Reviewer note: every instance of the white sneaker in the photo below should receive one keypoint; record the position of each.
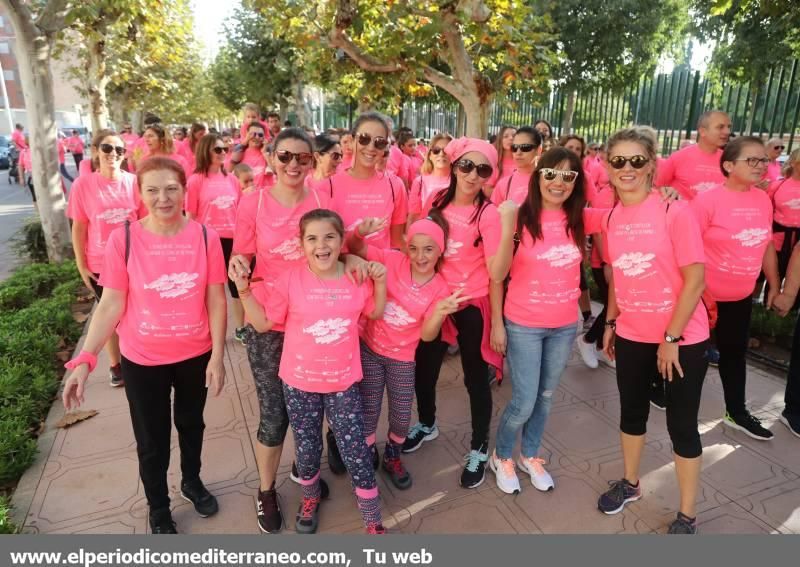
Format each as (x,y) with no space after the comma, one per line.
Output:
(603,357)
(505,474)
(540,478)
(587,351)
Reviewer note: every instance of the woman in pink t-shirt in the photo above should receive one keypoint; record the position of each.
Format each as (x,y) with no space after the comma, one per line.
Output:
(212,196)
(158,142)
(100,202)
(328,156)
(514,186)
(656,321)
(505,156)
(163,278)
(189,146)
(320,365)
(544,128)
(418,302)
(473,256)
(434,176)
(736,221)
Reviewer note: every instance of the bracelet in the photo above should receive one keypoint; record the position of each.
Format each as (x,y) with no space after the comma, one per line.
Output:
(85,357)
(612,323)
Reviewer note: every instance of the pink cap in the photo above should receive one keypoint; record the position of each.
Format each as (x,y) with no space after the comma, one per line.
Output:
(460,146)
(428,228)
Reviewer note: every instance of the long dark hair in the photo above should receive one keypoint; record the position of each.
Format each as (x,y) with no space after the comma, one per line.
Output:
(530,213)
(446,196)
(202,154)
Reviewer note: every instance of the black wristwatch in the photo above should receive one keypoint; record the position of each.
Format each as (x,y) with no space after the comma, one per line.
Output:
(670,339)
(611,323)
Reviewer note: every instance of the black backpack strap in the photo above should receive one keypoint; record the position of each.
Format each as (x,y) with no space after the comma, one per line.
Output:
(205,236)
(391,186)
(508,185)
(608,218)
(127,240)
(330,183)
(479,239)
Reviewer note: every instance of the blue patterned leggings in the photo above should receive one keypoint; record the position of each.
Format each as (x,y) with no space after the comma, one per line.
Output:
(346,421)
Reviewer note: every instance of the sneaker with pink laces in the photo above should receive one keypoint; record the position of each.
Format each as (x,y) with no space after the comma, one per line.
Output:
(540,478)
(505,474)
(376,529)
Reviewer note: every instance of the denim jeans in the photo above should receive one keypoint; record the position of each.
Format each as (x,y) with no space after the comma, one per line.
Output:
(537,358)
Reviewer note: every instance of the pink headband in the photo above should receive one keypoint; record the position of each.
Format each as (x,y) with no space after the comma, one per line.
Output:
(460,146)
(428,228)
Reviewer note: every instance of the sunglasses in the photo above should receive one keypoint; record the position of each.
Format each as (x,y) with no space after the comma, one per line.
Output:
(108,148)
(779,148)
(436,151)
(754,161)
(335,156)
(637,162)
(524,148)
(285,156)
(220,150)
(466,166)
(567,176)
(257,134)
(379,142)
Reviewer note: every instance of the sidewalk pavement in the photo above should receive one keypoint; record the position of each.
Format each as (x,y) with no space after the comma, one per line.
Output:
(86,480)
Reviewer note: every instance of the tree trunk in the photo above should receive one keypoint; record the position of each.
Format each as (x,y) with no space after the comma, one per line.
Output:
(98,81)
(299,102)
(477,116)
(34,48)
(569,113)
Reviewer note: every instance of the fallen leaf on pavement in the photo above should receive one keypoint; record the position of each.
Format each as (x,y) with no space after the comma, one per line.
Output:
(74,417)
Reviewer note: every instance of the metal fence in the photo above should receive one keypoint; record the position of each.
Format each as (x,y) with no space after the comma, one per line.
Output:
(669,102)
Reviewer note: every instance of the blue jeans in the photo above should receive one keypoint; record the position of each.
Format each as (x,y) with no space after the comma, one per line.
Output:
(537,358)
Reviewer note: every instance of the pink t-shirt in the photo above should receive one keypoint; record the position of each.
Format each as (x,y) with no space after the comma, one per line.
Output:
(246,125)
(513,186)
(408,304)
(382,196)
(346,163)
(423,188)
(85,167)
(785,195)
(212,200)
(690,171)
(165,319)
(545,274)
(175,156)
(602,197)
(774,171)
(256,160)
(509,166)
(647,245)
(75,145)
(104,205)
(130,140)
(397,162)
(19,139)
(187,154)
(319,185)
(736,228)
(25,159)
(320,351)
(60,148)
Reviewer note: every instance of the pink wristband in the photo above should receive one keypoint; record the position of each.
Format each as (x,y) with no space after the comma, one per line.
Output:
(85,357)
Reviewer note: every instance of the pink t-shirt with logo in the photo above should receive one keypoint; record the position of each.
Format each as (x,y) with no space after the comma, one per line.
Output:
(774,172)
(647,245)
(381,196)
(517,190)
(104,205)
(165,319)
(212,200)
(75,145)
(785,195)
(271,231)
(423,188)
(321,352)
(690,171)
(408,304)
(736,228)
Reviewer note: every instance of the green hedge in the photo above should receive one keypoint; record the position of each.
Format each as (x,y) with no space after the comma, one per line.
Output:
(35,323)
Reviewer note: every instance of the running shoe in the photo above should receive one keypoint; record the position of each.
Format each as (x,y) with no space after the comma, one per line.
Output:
(307,518)
(376,529)
(116,376)
(587,351)
(396,472)
(475,470)
(792,422)
(504,474)
(713,356)
(204,502)
(239,335)
(620,493)
(268,512)
(749,425)
(683,525)
(418,435)
(658,396)
(161,521)
(540,478)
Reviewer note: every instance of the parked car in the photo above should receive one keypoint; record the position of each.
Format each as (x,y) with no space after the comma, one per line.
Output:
(5,148)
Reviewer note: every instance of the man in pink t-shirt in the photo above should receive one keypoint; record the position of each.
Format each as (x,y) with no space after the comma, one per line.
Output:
(75,147)
(696,168)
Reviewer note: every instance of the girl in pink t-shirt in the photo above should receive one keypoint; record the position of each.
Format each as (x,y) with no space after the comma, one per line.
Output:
(99,203)
(189,146)
(328,156)
(655,318)
(418,302)
(320,362)
(505,156)
(736,221)
(434,176)
(163,279)
(514,185)
(785,194)
(472,258)
(212,196)
(347,142)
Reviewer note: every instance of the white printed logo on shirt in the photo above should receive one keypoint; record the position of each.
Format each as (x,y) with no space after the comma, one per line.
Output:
(327,331)
(289,249)
(452,247)
(396,316)
(173,285)
(560,256)
(634,263)
(703,187)
(793,204)
(751,237)
(114,216)
(224,201)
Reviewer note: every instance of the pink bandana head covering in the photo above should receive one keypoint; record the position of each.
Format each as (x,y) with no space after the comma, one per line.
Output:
(428,228)
(460,146)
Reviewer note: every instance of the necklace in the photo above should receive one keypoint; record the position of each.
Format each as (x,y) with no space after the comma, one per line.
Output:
(329,292)
(417,286)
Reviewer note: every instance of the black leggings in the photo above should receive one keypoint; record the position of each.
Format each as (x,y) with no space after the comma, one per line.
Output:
(429,358)
(595,334)
(732,333)
(792,396)
(227,249)
(635,363)
(148,389)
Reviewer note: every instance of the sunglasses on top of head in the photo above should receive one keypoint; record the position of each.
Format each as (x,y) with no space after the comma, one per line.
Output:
(220,150)
(567,176)
(285,156)
(637,162)
(108,148)
(524,148)
(378,141)
(466,166)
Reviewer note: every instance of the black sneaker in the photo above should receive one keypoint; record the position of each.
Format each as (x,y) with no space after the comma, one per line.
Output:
(418,435)
(792,422)
(161,521)
(307,518)
(268,511)
(621,492)
(335,462)
(683,525)
(376,458)
(749,425)
(475,470)
(240,334)
(713,357)
(204,502)
(116,376)
(658,396)
(294,476)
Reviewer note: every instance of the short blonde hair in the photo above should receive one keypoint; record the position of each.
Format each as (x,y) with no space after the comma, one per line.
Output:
(427,165)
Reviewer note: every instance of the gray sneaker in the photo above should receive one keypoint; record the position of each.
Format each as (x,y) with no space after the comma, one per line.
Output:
(683,525)
(116,377)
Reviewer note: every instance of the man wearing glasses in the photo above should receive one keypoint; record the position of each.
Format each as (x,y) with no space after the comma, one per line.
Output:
(775,148)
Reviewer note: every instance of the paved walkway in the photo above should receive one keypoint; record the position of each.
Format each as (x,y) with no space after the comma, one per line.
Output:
(86,477)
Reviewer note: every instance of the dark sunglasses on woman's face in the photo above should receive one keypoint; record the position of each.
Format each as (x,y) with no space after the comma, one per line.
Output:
(637,162)
(257,134)
(220,150)
(781,148)
(524,148)
(335,156)
(466,166)
(285,156)
(379,142)
(436,151)
(108,148)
